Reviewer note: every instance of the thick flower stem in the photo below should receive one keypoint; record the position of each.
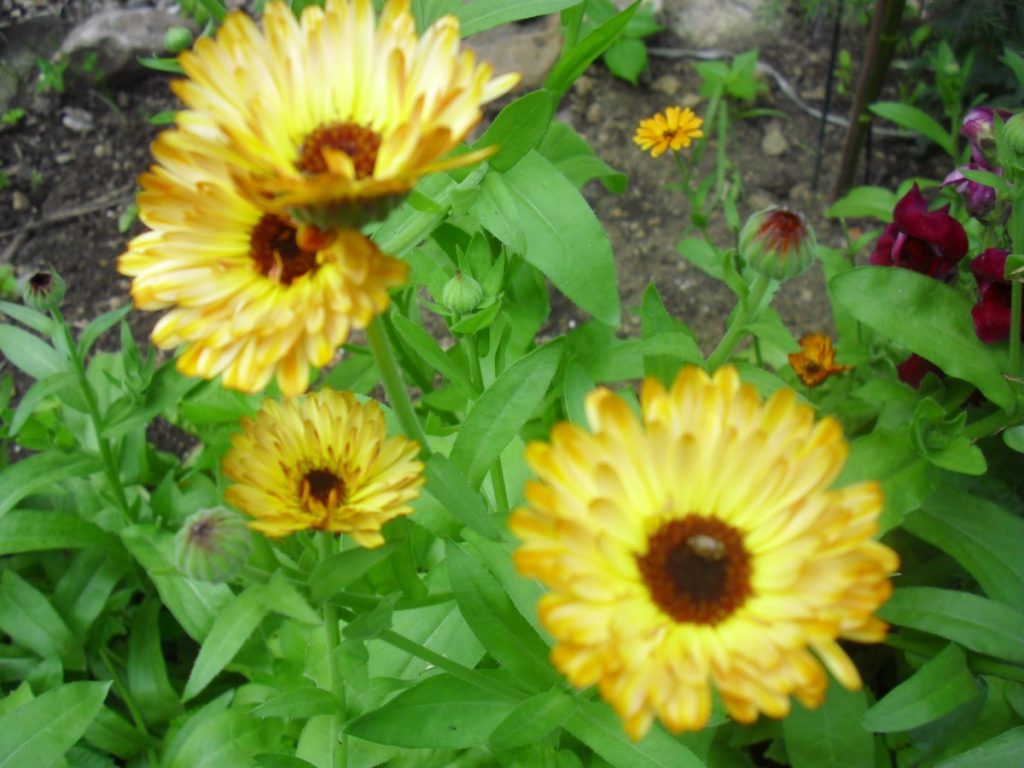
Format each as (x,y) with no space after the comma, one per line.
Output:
(109,466)
(339,753)
(394,386)
(738,327)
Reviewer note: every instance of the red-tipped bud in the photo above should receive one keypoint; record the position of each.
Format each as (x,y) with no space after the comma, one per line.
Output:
(778,243)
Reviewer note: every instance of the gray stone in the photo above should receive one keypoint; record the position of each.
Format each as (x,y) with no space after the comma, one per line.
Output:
(774,143)
(117,38)
(77,120)
(667,84)
(20,201)
(735,24)
(529,49)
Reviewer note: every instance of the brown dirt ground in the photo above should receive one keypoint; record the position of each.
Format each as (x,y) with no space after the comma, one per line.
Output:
(77,182)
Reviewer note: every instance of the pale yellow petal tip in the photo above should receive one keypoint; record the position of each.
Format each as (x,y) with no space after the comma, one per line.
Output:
(660,652)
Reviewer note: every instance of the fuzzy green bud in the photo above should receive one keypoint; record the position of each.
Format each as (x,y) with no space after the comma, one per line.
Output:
(43,290)
(1013,135)
(178,39)
(462,294)
(212,545)
(778,243)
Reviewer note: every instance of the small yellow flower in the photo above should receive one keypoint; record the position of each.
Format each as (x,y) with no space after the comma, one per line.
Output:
(699,547)
(322,462)
(673,130)
(250,297)
(816,360)
(333,117)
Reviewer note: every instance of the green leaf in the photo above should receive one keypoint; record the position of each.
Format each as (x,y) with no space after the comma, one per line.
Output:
(927,317)
(496,622)
(626,59)
(875,202)
(300,704)
(597,726)
(27,616)
(479,15)
(221,739)
(82,592)
(440,712)
(99,326)
(658,321)
(39,732)
(281,761)
(61,386)
(518,128)
(425,346)
(42,471)
(29,353)
(538,213)
(111,733)
(936,689)
(982,536)
(915,120)
(37,321)
(972,621)
(702,255)
(195,604)
(1003,751)
(334,574)
(229,632)
(146,673)
(830,735)
(571,155)
(24,530)
(451,488)
(574,61)
(503,409)
(532,720)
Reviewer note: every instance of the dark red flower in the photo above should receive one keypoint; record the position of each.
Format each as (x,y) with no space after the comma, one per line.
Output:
(992,312)
(929,242)
(912,370)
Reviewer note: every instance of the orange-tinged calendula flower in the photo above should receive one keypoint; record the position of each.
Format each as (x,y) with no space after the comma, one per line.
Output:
(700,547)
(816,360)
(675,129)
(250,298)
(322,462)
(333,117)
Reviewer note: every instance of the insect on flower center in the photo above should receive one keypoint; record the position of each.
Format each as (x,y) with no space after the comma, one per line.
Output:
(278,256)
(356,141)
(697,569)
(323,487)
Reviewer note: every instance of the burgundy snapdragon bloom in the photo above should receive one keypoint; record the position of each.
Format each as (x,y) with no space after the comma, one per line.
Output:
(992,312)
(912,370)
(929,242)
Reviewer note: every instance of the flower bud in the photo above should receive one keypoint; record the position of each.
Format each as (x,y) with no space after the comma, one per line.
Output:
(462,294)
(778,243)
(43,290)
(178,39)
(979,199)
(212,545)
(978,128)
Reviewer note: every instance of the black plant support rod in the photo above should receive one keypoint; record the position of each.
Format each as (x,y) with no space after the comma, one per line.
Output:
(829,84)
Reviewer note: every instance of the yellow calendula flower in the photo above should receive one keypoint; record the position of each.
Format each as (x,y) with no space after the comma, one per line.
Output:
(699,547)
(335,116)
(674,130)
(249,297)
(816,360)
(322,462)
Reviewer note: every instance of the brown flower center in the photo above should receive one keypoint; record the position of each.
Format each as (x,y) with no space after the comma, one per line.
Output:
(782,231)
(356,141)
(278,256)
(697,569)
(322,487)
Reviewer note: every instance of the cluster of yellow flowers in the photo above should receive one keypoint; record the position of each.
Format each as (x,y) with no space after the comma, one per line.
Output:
(692,548)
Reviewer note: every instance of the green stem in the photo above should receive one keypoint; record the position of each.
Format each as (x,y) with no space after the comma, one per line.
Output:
(368,602)
(469,347)
(339,755)
(500,491)
(989,425)
(1015,304)
(129,703)
(394,386)
(109,466)
(737,329)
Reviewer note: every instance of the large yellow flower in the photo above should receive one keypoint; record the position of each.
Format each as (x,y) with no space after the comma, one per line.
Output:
(331,116)
(249,297)
(324,462)
(699,547)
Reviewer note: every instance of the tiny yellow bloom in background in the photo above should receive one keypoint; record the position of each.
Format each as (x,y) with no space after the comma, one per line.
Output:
(673,130)
(699,547)
(332,118)
(322,462)
(249,297)
(816,360)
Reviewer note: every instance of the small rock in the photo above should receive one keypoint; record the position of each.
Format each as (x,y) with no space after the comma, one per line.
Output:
(102,149)
(63,158)
(584,85)
(667,84)
(816,93)
(20,201)
(77,120)
(773,143)
(594,113)
(690,100)
(759,200)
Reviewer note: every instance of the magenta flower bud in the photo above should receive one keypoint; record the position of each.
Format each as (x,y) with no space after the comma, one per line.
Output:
(979,199)
(778,243)
(978,128)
